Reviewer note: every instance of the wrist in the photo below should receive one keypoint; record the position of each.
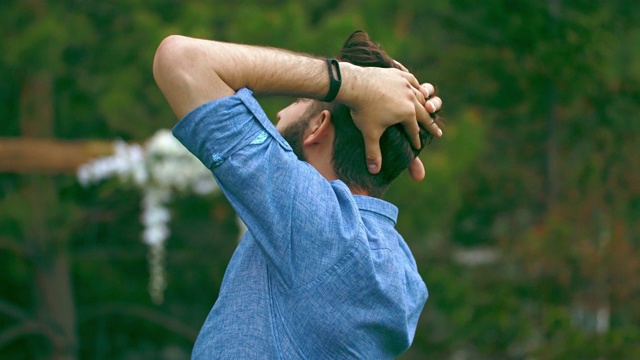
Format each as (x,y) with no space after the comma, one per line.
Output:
(350,74)
(335,79)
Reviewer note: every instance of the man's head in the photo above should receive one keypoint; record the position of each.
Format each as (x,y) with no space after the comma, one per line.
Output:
(313,127)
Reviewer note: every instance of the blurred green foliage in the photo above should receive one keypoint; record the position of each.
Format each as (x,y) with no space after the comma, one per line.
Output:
(539,170)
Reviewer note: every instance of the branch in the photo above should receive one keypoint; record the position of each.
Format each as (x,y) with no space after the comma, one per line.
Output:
(13,310)
(12,245)
(102,253)
(142,312)
(29,327)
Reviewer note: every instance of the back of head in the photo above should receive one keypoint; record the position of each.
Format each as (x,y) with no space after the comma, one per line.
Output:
(349,152)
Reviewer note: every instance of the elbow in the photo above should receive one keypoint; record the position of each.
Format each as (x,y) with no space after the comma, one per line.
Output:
(169,58)
(182,71)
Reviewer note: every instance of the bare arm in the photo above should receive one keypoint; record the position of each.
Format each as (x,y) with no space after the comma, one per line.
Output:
(191,72)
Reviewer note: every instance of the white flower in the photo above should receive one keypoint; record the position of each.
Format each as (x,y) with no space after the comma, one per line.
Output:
(155,215)
(203,186)
(155,235)
(163,142)
(160,168)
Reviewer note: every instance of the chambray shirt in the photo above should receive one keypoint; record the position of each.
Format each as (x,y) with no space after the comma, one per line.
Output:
(321,273)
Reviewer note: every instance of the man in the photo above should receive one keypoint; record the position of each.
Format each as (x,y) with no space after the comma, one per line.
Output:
(321,272)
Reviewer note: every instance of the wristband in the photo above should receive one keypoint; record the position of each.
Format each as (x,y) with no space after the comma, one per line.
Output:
(335,80)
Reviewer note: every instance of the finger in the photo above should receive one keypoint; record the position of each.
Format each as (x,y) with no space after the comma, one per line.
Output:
(434,104)
(373,154)
(414,82)
(430,89)
(428,122)
(412,127)
(416,169)
(402,67)
(433,127)
(426,91)
(420,97)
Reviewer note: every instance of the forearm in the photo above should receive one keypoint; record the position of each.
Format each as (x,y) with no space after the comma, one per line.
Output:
(191,72)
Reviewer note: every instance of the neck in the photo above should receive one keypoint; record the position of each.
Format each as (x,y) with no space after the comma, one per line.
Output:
(358,191)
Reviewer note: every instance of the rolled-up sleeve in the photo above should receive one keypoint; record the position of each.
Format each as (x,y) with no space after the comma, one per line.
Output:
(217,129)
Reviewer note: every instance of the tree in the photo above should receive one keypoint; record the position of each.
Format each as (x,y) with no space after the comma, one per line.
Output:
(536,172)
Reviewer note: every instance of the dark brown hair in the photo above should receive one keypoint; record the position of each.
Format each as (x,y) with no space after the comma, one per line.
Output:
(349,152)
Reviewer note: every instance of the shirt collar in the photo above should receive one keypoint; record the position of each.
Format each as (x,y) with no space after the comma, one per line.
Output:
(378,206)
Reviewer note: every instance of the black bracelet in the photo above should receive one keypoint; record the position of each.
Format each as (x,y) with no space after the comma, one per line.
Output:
(335,80)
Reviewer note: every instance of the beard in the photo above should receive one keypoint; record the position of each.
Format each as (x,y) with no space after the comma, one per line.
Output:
(294,135)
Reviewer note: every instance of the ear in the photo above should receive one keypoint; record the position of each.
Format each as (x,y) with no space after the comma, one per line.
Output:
(320,127)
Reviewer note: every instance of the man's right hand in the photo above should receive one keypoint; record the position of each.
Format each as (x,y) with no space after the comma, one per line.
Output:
(381,97)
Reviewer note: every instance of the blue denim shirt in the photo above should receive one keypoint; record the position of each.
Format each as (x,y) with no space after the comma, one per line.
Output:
(321,273)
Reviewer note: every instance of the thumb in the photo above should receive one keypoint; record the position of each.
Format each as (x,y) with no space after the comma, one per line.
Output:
(374,156)
(416,169)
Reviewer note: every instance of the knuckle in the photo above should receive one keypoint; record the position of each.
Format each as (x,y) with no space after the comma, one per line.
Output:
(409,111)
(372,155)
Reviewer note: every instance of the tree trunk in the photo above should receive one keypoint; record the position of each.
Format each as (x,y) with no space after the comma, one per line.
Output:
(46,248)
(552,161)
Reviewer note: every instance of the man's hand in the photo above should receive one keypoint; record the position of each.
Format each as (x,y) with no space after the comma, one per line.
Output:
(381,97)
(433,104)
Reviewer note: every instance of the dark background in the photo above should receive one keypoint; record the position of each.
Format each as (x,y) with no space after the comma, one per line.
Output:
(526,229)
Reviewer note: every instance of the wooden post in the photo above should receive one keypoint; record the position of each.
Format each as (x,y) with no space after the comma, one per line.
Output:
(29,155)
(45,245)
